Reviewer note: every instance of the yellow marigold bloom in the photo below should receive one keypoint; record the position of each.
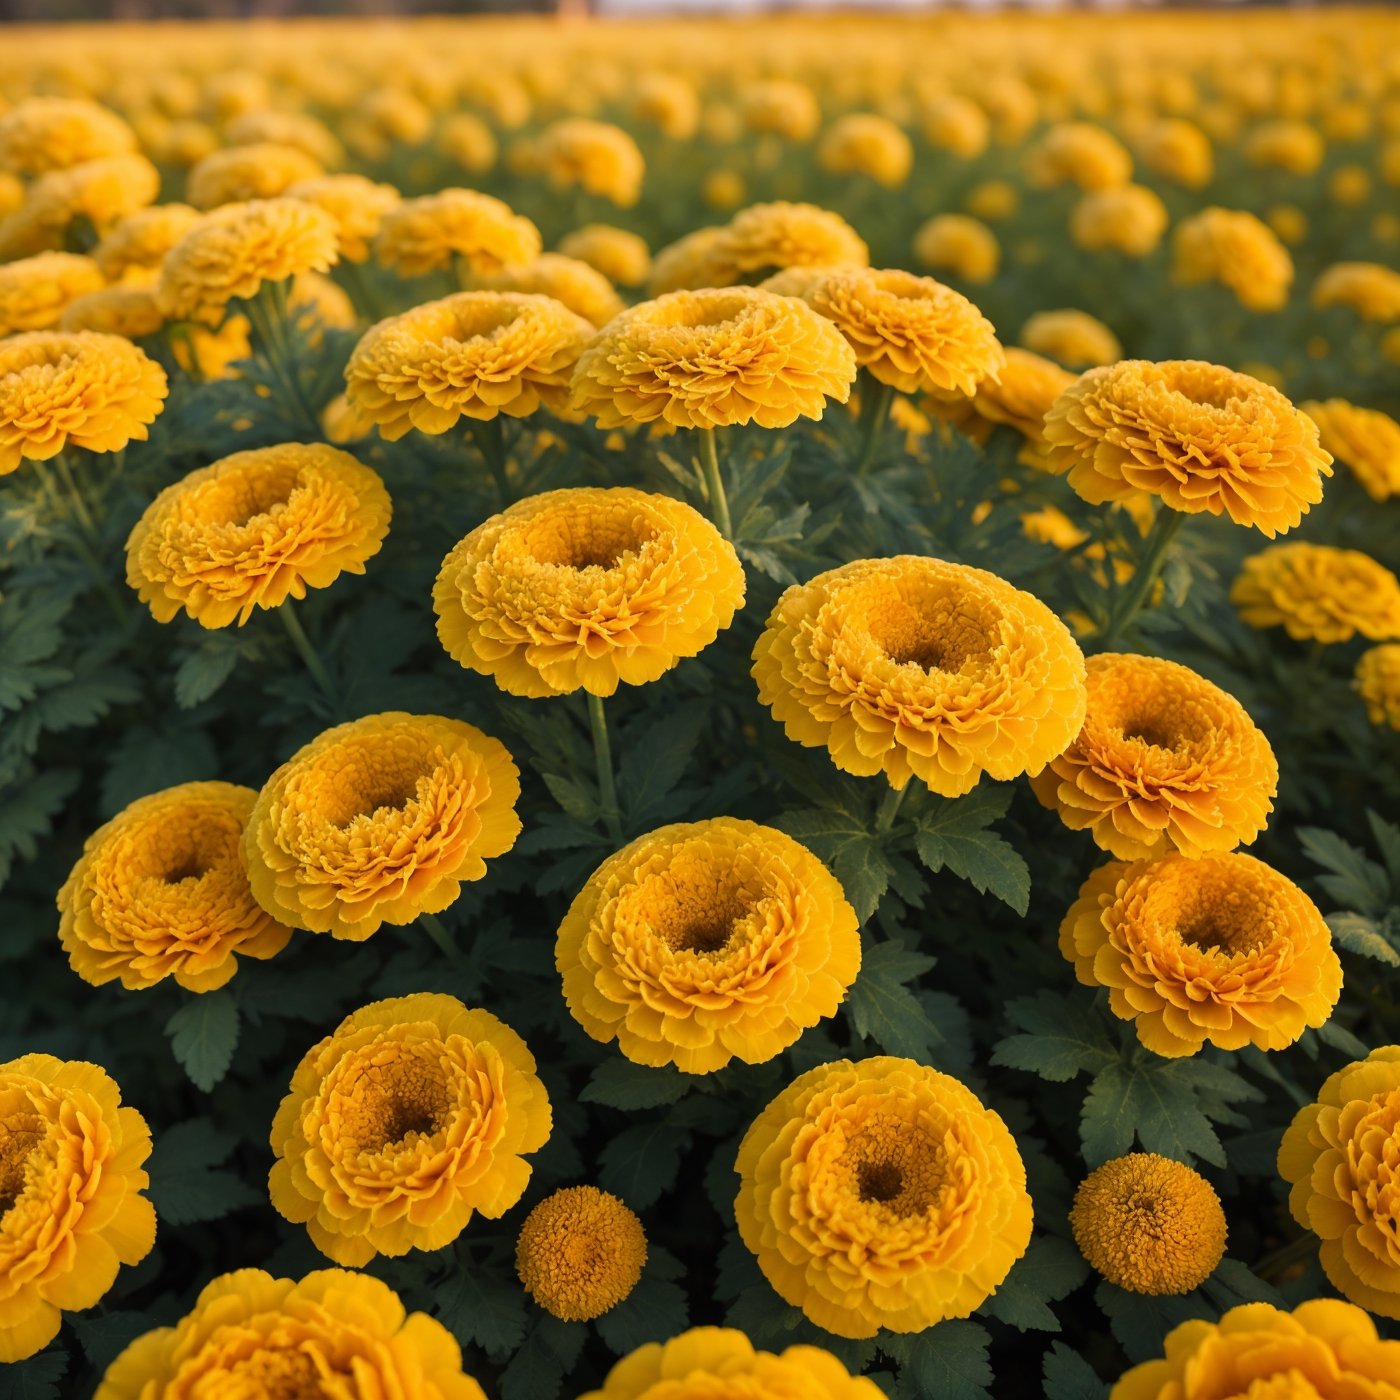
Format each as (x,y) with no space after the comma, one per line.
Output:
(959,244)
(1318,593)
(422,234)
(380,820)
(707,941)
(414,1114)
(1197,436)
(764,238)
(1236,249)
(1322,1348)
(34,292)
(135,247)
(11,192)
(993,200)
(213,354)
(708,1362)
(100,192)
(863,143)
(585,291)
(297,129)
(697,261)
(622,257)
(1179,151)
(1149,1224)
(84,390)
(71,1182)
(1219,949)
(595,156)
(1128,219)
(1369,289)
(956,124)
(914,666)
(1028,385)
(231,252)
(1079,153)
(1339,1156)
(782,106)
(1074,338)
(1378,680)
(1293,146)
(465,138)
(881,1193)
(52,133)
(588,587)
(162,891)
(580,1252)
(713,358)
(1289,222)
(241,173)
(331,1331)
(472,354)
(357,205)
(254,529)
(1165,761)
(1363,439)
(130,312)
(669,103)
(1350,185)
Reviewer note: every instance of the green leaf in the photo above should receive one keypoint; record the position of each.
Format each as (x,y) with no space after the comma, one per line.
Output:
(883,1008)
(977,855)
(575,800)
(619,1083)
(1358,934)
(948,1361)
(83,700)
(655,1311)
(1234,1283)
(1061,1038)
(28,814)
(654,760)
(35,1379)
(1141,1321)
(537,1370)
(104,1336)
(1154,1101)
(149,759)
(1387,836)
(1049,1270)
(185,1186)
(640,1164)
(203,671)
(1068,1376)
(1333,1033)
(1354,881)
(204,1034)
(856,857)
(482,1310)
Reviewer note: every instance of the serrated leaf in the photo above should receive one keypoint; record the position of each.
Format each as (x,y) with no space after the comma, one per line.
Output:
(35,1379)
(1061,1039)
(482,1310)
(104,1336)
(619,1083)
(1333,1033)
(572,797)
(185,1186)
(1354,880)
(1387,836)
(640,1164)
(1234,1283)
(655,1311)
(1152,1101)
(883,1007)
(204,1034)
(1049,1270)
(856,857)
(148,760)
(1141,1321)
(27,814)
(203,672)
(982,858)
(948,1361)
(537,1370)
(1358,934)
(1068,1376)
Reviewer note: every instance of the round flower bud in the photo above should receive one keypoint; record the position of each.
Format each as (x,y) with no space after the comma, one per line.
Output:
(580,1252)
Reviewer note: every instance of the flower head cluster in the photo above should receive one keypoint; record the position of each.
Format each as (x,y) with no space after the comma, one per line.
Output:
(1294,146)
(1079,153)
(1196,435)
(34,292)
(380,820)
(1128,219)
(1237,249)
(1371,290)
(469,141)
(1378,680)
(668,102)
(1221,950)
(254,529)
(431,231)
(1020,397)
(583,289)
(70,1183)
(707,941)
(622,257)
(958,124)
(98,192)
(133,249)
(864,143)
(1165,761)
(580,1252)
(53,133)
(416,1113)
(960,245)
(912,666)
(782,106)
(1178,150)
(1363,439)
(1148,1224)
(262,170)
(594,156)
(881,1193)
(357,204)
(1074,338)
(1318,593)
(713,358)
(130,312)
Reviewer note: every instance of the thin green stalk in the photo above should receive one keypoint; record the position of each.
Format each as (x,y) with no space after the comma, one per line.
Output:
(876,400)
(889,808)
(1149,566)
(88,543)
(268,314)
(306,651)
(437,931)
(714,482)
(602,758)
(75,498)
(489,436)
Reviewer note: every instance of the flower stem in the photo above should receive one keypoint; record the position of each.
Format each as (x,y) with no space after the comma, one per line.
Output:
(1154,553)
(269,318)
(75,498)
(490,441)
(602,757)
(714,482)
(437,931)
(69,502)
(889,808)
(1277,1261)
(306,651)
(876,401)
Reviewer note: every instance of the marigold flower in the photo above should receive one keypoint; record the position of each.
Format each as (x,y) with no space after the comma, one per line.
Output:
(358,206)
(1318,593)
(594,156)
(98,191)
(585,291)
(713,358)
(707,941)
(958,244)
(380,820)
(723,188)
(1179,151)
(85,390)
(993,200)
(622,257)
(1369,289)
(238,174)
(465,138)
(1128,219)
(134,248)
(1236,249)
(331,1330)
(1350,186)
(413,1115)
(864,143)
(1378,680)
(472,354)
(298,129)
(1197,436)
(429,232)
(53,133)
(162,890)
(254,529)
(70,1182)
(764,238)
(1220,949)
(1339,1156)
(915,666)
(1022,395)
(1149,1224)
(586,588)
(1074,338)
(1165,761)
(231,252)
(781,106)
(1322,1348)
(881,1193)
(1362,439)
(580,1252)
(707,1362)
(956,124)
(669,103)
(130,312)
(35,291)
(696,261)
(1293,146)
(1079,153)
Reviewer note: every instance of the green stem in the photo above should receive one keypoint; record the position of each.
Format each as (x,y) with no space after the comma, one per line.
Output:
(714,482)
(361,293)
(437,931)
(489,436)
(1276,1261)
(1154,553)
(268,315)
(602,758)
(75,499)
(876,401)
(87,542)
(889,808)
(306,651)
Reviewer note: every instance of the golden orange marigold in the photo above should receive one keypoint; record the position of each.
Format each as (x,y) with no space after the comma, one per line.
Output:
(622,257)
(957,124)
(584,290)
(782,106)
(135,247)
(959,244)
(1378,680)
(34,292)
(1294,146)
(52,133)
(357,204)
(1079,153)
(1178,150)
(466,139)
(865,143)
(431,231)
(414,1114)
(580,1252)
(130,312)
(765,238)
(1237,249)
(1128,219)
(1369,289)
(1074,338)
(1318,593)
(1363,439)
(595,156)
(300,129)
(241,173)
(98,193)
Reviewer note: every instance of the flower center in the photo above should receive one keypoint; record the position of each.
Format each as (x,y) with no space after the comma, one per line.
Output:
(935,631)
(392,1101)
(879,1181)
(281,1375)
(588,540)
(897,1165)
(191,868)
(17,1141)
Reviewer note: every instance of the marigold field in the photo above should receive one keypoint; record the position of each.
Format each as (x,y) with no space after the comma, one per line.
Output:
(701,710)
